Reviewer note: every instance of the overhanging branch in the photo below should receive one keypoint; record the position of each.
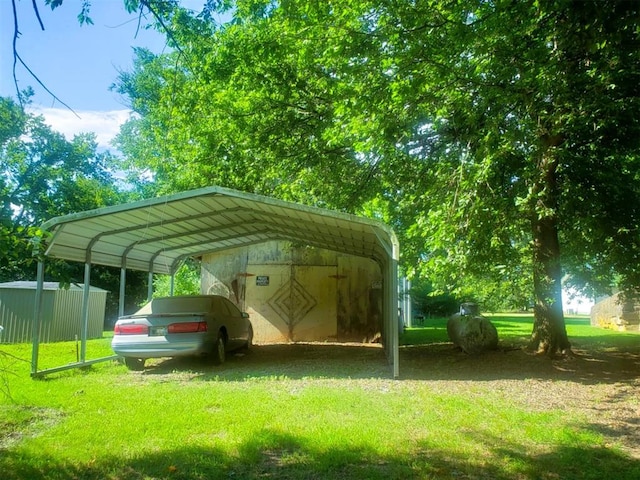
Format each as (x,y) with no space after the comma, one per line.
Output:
(17,58)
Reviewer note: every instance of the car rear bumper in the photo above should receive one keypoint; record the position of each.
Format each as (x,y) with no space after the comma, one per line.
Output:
(143,346)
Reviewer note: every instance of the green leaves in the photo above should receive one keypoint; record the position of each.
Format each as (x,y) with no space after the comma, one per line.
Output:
(435,116)
(43,175)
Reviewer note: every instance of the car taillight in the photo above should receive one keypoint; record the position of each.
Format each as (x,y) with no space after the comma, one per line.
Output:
(187,327)
(130,329)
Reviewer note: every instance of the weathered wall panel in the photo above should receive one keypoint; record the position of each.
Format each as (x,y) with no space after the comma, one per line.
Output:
(617,314)
(226,276)
(298,293)
(359,299)
(263,284)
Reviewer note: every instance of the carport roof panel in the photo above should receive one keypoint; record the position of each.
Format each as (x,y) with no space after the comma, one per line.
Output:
(156,234)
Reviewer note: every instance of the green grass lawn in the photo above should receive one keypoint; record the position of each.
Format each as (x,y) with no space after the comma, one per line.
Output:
(295,419)
(516,328)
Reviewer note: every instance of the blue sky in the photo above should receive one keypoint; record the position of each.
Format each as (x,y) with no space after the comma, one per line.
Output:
(77,63)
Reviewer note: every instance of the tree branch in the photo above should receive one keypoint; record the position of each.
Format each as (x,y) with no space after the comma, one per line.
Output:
(147,3)
(17,58)
(55,97)
(169,32)
(16,34)
(35,9)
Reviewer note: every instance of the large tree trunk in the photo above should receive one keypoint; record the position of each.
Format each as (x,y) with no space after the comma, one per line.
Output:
(549,332)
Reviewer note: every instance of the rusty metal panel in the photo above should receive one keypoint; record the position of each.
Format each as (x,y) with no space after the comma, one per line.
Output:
(285,300)
(295,293)
(296,303)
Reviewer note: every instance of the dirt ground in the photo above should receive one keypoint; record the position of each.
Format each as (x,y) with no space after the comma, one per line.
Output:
(602,384)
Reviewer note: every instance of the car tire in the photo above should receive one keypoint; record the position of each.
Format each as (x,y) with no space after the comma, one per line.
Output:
(219,353)
(134,364)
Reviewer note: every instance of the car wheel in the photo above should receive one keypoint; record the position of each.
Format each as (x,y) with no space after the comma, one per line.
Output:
(218,350)
(135,364)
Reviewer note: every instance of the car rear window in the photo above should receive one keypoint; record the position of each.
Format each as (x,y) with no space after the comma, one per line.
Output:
(177,305)
(226,307)
(233,310)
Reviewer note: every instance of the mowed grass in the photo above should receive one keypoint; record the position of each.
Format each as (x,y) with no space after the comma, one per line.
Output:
(299,417)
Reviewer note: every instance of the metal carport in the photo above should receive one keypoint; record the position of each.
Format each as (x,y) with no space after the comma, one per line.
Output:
(156,235)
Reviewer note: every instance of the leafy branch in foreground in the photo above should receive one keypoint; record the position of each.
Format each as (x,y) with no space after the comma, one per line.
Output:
(7,369)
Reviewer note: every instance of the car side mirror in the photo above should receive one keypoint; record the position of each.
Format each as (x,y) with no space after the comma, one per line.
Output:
(245,315)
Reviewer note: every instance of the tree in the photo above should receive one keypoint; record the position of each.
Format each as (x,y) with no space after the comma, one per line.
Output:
(186,281)
(500,138)
(528,95)
(44,175)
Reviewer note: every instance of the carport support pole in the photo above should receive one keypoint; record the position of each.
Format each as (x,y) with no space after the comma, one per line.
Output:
(123,282)
(150,286)
(85,309)
(37,318)
(392,312)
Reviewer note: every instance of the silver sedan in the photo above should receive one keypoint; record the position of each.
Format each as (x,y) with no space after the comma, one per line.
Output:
(202,325)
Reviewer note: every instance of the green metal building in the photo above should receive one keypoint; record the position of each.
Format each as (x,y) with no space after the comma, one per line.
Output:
(61,312)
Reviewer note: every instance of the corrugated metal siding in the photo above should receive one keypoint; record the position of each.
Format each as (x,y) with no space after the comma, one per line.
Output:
(16,312)
(67,308)
(61,314)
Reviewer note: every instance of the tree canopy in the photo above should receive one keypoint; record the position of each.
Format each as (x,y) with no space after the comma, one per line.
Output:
(44,175)
(499,138)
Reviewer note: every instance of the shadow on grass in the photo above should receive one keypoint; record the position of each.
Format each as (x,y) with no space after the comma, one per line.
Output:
(293,361)
(271,454)
(601,356)
(511,361)
(424,355)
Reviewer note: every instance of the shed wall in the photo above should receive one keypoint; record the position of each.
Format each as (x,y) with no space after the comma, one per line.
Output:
(617,313)
(298,293)
(61,314)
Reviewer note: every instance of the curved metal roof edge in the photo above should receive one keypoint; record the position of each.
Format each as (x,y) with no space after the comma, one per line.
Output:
(50,224)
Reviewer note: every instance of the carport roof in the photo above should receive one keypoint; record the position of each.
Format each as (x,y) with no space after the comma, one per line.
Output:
(157,234)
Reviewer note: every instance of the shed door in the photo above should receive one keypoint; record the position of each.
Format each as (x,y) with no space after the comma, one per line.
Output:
(292,303)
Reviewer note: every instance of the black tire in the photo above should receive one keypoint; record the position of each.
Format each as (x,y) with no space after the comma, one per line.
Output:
(218,352)
(134,364)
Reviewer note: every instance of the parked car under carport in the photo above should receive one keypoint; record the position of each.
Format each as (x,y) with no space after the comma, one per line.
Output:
(193,325)
(155,235)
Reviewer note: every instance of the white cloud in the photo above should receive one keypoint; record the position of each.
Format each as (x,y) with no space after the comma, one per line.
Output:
(105,125)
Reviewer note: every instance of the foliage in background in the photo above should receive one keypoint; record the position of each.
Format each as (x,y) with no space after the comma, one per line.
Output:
(499,139)
(44,175)
(186,281)
(492,294)
(429,302)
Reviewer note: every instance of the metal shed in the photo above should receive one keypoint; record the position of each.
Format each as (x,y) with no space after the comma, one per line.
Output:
(156,235)
(61,313)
